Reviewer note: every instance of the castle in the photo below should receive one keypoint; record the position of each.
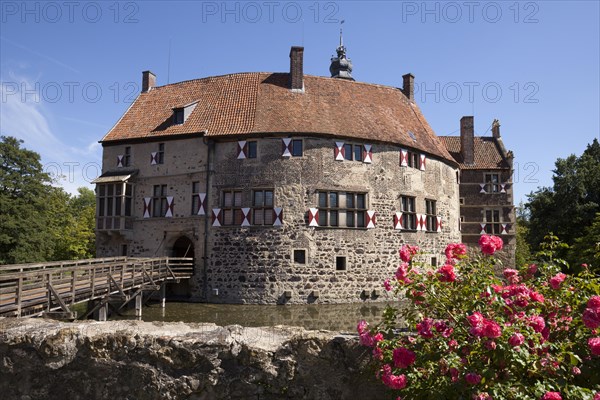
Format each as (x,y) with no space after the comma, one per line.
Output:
(293,188)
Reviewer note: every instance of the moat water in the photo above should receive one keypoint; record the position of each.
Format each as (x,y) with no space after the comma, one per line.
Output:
(334,317)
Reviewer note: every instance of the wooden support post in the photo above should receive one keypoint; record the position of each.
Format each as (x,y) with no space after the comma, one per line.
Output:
(19,294)
(103,313)
(163,294)
(138,305)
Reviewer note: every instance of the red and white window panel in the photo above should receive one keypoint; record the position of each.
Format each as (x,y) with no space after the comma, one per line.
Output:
(217,217)
(398,221)
(154,158)
(403,158)
(313,217)
(277,216)
(120,158)
(368,154)
(339,151)
(245,216)
(422,164)
(242,150)
(147,205)
(169,212)
(286,144)
(439,223)
(371,219)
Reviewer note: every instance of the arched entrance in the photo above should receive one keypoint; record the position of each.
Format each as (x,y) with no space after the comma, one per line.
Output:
(183,247)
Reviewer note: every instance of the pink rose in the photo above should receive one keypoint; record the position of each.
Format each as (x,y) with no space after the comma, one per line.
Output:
(597,396)
(535,296)
(490,345)
(537,323)
(446,273)
(516,340)
(362,326)
(511,275)
(556,280)
(482,396)
(532,269)
(475,319)
(424,328)
(490,244)
(594,344)
(402,273)
(455,250)
(472,378)
(403,358)
(387,285)
(591,318)
(575,371)
(594,303)
(491,329)
(393,381)
(453,374)
(407,252)
(551,396)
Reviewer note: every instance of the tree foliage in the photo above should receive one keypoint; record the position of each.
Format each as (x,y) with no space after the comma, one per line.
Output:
(569,207)
(40,222)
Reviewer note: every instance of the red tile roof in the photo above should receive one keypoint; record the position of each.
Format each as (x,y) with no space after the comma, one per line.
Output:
(488,154)
(262,103)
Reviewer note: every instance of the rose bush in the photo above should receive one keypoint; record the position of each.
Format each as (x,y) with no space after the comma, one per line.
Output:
(473,333)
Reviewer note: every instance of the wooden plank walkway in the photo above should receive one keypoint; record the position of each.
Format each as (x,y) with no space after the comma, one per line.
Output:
(33,289)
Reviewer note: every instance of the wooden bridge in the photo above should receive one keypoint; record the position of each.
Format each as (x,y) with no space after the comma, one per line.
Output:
(53,288)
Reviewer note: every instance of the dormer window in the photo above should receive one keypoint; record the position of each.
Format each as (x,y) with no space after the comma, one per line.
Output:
(177,116)
(181,114)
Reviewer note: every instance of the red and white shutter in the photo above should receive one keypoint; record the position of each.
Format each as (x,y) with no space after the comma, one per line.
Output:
(120,161)
(503,188)
(398,221)
(216,217)
(245,216)
(339,151)
(505,229)
(403,158)
(153,158)
(313,217)
(201,204)
(286,146)
(482,232)
(421,222)
(169,212)
(242,150)
(277,216)
(367,153)
(439,223)
(482,186)
(371,219)
(423,162)
(147,202)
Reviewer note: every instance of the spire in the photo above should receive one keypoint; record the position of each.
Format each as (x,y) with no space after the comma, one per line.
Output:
(341,66)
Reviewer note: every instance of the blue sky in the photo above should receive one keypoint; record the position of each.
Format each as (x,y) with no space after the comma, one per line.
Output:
(69,70)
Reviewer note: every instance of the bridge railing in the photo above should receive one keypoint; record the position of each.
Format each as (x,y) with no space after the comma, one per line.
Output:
(31,289)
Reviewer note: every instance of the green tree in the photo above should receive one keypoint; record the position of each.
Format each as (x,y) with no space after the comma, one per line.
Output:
(570,205)
(523,251)
(586,249)
(39,222)
(24,189)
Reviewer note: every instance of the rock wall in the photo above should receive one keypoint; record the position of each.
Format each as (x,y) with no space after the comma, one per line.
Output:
(41,359)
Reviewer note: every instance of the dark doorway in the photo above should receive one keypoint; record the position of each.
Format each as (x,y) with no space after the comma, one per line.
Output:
(183,247)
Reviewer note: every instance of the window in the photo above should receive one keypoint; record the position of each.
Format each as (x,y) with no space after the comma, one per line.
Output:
(356,208)
(461,201)
(340,263)
(414,160)
(492,220)
(434,262)
(262,207)
(177,116)
(159,201)
(195,198)
(232,203)
(114,201)
(300,256)
(431,215)
(492,183)
(252,149)
(297,148)
(409,215)
(124,250)
(353,152)
(127,157)
(160,155)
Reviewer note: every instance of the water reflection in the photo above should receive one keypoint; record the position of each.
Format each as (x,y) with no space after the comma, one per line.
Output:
(335,317)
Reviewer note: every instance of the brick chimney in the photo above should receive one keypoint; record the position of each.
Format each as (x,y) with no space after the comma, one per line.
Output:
(297,69)
(496,129)
(148,81)
(408,86)
(467,140)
